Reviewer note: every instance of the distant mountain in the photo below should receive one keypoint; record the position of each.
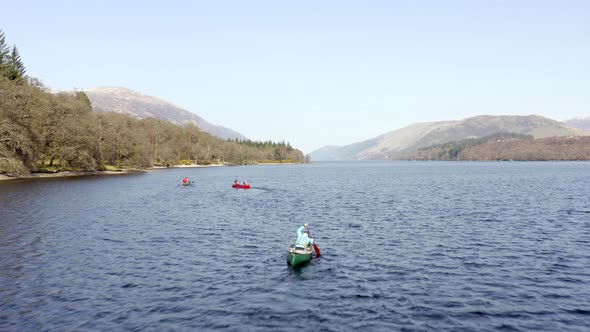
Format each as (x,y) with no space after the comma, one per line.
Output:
(122,100)
(396,143)
(580,123)
(333,152)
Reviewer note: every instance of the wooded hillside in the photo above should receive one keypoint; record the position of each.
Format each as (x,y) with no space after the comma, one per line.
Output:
(508,146)
(41,131)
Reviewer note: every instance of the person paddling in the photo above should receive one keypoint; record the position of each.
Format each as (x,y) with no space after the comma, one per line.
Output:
(185,180)
(303,242)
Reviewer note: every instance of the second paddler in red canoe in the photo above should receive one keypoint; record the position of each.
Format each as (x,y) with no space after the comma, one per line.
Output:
(239,185)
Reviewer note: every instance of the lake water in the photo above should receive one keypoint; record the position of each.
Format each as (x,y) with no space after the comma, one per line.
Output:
(409,246)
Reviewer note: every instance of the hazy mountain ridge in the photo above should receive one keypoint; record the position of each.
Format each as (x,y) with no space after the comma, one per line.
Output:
(394,144)
(580,123)
(415,135)
(126,101)
(334,152)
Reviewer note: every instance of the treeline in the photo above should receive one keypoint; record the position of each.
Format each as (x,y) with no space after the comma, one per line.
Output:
(508,146)
(281,149)
(42,131)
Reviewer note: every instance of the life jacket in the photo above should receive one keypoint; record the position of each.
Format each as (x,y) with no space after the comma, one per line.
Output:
(303,240)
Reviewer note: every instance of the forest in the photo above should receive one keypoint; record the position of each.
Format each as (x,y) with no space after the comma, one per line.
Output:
(507,146)
(42,131)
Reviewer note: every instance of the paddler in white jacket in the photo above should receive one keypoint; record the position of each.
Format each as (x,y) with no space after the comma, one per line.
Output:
(303,238)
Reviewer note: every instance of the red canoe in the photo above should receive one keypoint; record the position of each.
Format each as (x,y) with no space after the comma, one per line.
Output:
(241,186)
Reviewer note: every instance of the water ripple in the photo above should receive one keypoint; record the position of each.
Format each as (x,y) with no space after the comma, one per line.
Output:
(406,246)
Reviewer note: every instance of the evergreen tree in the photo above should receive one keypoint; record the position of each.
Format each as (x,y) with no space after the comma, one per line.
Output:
(81,95)
(16,66)
(4,51)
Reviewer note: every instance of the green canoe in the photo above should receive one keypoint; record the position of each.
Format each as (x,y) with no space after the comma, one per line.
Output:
(299,256)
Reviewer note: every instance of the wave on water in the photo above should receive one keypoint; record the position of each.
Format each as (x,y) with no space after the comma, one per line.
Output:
(495,246)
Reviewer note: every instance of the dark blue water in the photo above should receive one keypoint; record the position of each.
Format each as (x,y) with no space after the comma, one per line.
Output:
(406,246)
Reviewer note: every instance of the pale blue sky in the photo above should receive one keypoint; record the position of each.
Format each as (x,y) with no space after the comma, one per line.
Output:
(317,73)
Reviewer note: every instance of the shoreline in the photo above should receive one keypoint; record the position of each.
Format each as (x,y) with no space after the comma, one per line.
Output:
(119,172)
(94,173)
(69,174)
(277,163)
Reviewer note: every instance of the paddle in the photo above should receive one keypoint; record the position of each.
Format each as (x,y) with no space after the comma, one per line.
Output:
(315,246)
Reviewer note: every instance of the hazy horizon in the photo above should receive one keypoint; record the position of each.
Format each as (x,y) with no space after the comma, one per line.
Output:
(317,74)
